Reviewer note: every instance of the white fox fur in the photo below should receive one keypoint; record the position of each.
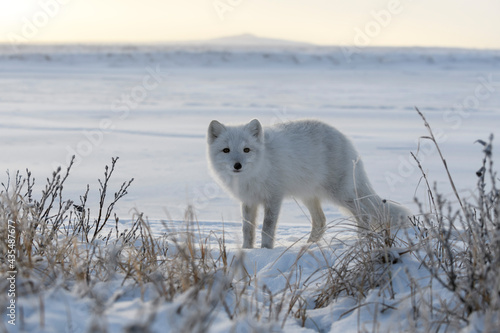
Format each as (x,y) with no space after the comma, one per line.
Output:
(307,159)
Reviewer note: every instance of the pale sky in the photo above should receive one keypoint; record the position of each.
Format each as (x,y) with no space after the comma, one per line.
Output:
(456,23)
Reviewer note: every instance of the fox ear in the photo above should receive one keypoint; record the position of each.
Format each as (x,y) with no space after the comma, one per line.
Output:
(255,128)
(214,130)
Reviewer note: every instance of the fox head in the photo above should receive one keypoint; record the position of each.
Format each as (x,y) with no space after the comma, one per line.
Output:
(235,150)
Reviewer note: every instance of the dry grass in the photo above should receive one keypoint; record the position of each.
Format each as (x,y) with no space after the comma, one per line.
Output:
(59,244)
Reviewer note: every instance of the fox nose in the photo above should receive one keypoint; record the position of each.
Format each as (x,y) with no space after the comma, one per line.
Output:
(237,166)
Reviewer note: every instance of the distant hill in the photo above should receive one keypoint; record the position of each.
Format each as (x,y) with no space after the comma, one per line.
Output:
(251,40)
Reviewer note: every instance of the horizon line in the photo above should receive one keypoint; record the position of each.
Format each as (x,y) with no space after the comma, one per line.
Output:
(267,42)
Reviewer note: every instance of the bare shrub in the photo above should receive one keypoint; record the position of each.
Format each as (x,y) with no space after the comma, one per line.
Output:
(461,246)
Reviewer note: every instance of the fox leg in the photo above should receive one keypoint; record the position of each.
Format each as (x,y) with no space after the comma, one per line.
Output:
(249,216)
(318,219)
(271,212)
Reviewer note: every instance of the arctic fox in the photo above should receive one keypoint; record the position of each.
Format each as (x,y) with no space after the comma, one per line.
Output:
(307,159)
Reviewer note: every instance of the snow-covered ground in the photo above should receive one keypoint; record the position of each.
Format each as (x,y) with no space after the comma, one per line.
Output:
(151,106)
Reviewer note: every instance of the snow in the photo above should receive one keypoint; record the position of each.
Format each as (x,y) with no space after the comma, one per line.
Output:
(151,105)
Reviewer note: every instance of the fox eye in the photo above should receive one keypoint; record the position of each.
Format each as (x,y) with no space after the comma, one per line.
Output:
(246,150)
(226,150)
